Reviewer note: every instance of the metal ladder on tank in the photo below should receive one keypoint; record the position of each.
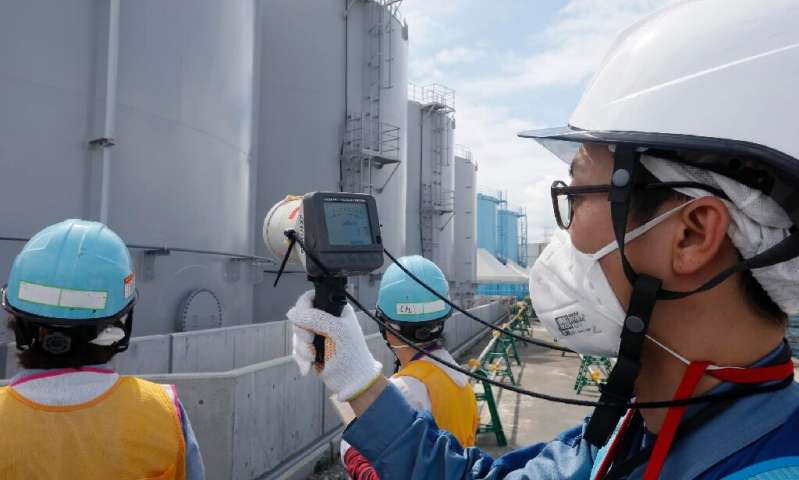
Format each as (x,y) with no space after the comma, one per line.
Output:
(523,253)
(437,202)
(370,143)
(431,191)
(502,237)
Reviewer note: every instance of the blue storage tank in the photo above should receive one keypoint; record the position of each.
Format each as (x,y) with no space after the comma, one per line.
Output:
(508,235)
(487,222)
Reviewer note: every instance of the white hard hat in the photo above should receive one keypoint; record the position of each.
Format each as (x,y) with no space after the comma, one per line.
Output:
(711,83)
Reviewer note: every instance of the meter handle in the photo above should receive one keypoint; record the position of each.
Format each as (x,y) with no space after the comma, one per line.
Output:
(329,296)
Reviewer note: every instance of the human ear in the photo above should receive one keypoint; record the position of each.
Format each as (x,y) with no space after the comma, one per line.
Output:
(700,236)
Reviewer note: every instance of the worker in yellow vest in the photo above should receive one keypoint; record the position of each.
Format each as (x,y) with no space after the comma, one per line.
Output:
(68,414)
(419,315)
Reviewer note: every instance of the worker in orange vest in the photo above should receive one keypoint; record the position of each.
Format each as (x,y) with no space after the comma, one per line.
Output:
(70,297)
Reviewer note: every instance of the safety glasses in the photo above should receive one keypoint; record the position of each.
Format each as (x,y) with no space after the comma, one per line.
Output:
(563,195)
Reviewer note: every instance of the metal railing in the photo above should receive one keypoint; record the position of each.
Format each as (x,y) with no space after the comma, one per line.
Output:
(435,95)
(166,250)
(393,7)
(370,136)
(498,196)
(463,151)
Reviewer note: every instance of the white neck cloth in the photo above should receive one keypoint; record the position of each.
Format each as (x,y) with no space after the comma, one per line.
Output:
(757,224)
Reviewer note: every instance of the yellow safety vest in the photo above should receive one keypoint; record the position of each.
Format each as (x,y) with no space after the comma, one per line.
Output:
(132,431)
(454,407)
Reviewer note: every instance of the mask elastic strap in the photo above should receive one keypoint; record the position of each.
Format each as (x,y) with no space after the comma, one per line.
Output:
(640,230)
(684,360)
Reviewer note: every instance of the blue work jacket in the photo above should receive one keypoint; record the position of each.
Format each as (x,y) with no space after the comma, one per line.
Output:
(757,437)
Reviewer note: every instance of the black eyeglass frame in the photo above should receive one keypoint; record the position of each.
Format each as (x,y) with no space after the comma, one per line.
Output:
(559,188)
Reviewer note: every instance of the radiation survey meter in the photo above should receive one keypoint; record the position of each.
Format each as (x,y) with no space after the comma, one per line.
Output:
(332,236)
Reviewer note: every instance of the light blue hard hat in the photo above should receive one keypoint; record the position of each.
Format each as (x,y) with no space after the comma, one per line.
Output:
(73,270)
(403,300)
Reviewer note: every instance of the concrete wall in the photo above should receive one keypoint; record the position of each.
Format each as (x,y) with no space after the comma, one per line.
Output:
(252,411)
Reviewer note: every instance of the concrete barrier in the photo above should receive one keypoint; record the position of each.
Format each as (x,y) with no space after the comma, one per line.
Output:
(224,349)
(254,421)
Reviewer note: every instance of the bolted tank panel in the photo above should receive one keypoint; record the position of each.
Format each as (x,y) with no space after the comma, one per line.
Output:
(46,76)
(182,165)
(464,260)
(332,117)
(46,73)
(137,114)
(181,170)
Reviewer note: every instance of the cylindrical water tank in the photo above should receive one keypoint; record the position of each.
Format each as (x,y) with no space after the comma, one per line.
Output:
(332,98)
(464,264)
(445,227)
(487,223)
(508,234)
(431,182)
(164,92)
(377,93)
(413,173)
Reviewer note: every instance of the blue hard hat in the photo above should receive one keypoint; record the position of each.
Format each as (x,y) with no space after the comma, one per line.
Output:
(402,299)
(73,270)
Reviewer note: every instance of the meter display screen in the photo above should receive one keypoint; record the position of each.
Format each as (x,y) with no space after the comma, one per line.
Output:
(347,223)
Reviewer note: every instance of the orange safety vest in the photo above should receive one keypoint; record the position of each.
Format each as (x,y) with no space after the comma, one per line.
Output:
(132,431)
(454,407)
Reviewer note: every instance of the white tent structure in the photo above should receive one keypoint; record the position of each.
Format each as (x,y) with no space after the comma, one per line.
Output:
(491,270)
(523,271)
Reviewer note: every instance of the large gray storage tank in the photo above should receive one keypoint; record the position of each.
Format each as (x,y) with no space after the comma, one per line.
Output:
(332,96)
(431,179)
(464,259)
(138,114)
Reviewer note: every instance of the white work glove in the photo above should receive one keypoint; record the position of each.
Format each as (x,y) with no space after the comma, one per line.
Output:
(349,366)
(342,450)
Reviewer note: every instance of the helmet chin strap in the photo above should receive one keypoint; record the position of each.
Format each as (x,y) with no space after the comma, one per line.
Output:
(619,387)
(646,291)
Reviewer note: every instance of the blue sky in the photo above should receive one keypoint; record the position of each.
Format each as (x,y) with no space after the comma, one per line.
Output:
(515,64)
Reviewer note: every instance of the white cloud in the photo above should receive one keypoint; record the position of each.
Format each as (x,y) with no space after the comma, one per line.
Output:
(519,167)
(574,45)
(563,55)
(452,56)
(425,20)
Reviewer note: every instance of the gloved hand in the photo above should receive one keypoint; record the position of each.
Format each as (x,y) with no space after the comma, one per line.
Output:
(349,366)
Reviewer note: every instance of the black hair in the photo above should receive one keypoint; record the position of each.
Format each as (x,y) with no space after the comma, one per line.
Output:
(79,352)
(644,206)
(419,332)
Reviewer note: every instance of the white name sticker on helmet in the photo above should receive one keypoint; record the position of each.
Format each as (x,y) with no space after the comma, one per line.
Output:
(420,308)
(62,297)
(130,286)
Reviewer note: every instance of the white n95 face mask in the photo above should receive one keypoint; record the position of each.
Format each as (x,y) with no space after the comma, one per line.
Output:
(572,297)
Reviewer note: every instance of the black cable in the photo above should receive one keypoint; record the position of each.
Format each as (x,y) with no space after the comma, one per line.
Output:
(626,403)
(468,314)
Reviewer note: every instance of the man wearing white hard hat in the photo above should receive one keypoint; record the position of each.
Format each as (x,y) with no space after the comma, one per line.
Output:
(677,254)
